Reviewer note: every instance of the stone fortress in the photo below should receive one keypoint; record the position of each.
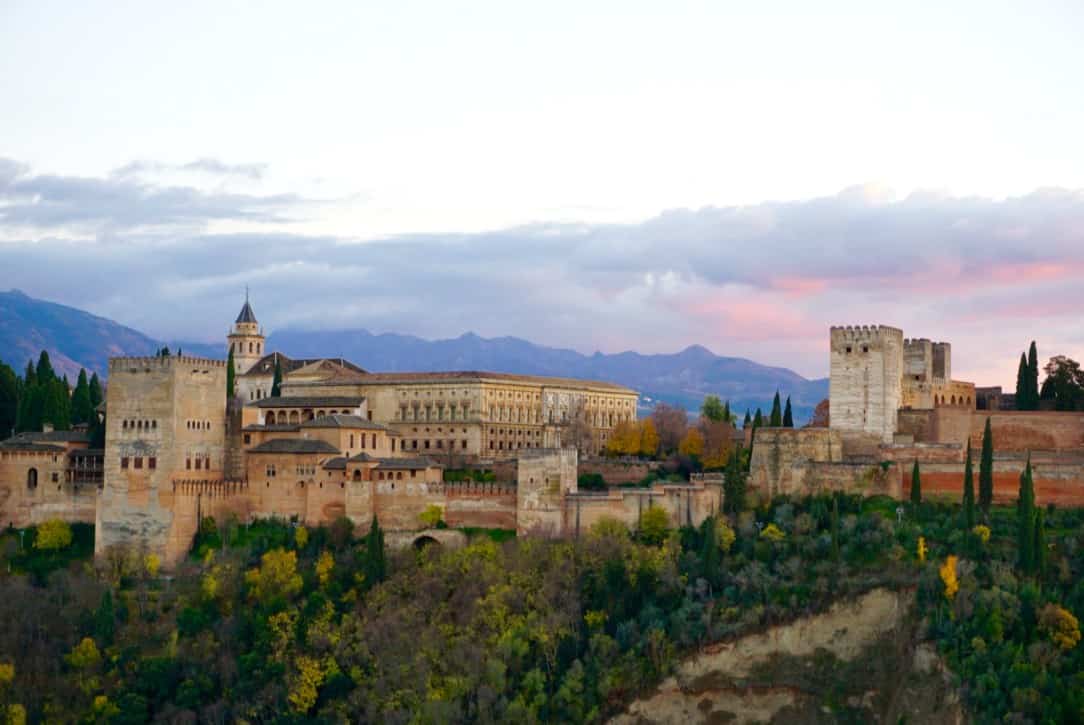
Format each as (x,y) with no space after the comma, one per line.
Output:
(338,441)
(892,402)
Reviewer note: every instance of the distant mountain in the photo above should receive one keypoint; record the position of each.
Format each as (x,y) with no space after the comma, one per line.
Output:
(75,339)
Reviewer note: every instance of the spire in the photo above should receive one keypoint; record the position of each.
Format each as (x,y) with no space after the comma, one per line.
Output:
(247,315)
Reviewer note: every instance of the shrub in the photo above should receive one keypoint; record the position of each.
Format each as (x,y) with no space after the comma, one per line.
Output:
(53,535)
(654,525)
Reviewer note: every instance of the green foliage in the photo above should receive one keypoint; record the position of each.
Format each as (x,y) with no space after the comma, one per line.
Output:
(591,482)
(1025,525)
(734,483)
(276,381)
(776,419)
(10,387)
(376,565)
(431,516)
(788,415)
(916,486)
(712,408)
(231,375)
(82,409)
(654,525)
(969,492)
(53,535)
(469,474)
(986,470)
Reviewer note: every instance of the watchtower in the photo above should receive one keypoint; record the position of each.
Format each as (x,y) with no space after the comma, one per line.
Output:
(245,339)
(865,383)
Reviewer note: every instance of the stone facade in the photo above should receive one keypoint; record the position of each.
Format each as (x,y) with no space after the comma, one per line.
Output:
(865,385)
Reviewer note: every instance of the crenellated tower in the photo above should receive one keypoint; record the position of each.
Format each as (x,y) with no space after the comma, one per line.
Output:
(245,339)
(865,387)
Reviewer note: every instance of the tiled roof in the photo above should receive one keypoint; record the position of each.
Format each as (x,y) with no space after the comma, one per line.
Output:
(273,427)
(395,463)
(294,445)
(265,366)
(316,401)
(14,445)
(342,421)
(457,376)
(335,464)
(52,436)
(247,315)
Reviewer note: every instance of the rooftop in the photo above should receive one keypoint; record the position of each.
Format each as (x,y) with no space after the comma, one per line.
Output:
(266,365)
(294,445)
(247,315)
(458,376)
(314,401)
(342,421)
(394,463)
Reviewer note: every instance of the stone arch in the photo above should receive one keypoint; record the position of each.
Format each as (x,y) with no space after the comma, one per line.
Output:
(425,541)
(32,479)
(357,474)
(953,399)
(294,417)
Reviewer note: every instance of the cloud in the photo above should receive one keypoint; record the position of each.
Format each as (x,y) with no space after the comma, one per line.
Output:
(762,281)
(209,166)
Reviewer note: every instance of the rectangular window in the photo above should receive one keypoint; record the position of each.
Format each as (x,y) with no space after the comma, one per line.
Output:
(464,446)
(248,438)
(188,464)
(440,443)
(56,477)
(139,462)
(352,440)
(427,444)
(414,445)
(199,463)
(413,473)
(124,462)
(152,463)
(374,439)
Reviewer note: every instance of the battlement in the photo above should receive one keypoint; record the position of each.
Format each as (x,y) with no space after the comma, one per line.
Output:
(213,487)
(148,363)
(862,333)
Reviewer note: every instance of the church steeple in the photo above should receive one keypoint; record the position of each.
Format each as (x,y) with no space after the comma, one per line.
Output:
(245,339)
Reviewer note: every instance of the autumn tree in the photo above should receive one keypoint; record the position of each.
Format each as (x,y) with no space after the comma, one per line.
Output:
(53,535)
(718,442)
(654,525)
(671,423)
(276,576)
(692,444)
(820,417)
(649,438)
(578,431)
(625,439)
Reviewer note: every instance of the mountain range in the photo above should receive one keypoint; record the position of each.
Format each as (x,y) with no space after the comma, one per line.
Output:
(75,338)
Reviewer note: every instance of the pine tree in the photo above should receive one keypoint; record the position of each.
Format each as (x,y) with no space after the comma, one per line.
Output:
(776,420)
(82,410)
(230,376)
(1025,520)
(788,415)
(45,371)
(1022,384)
(1033,377)
(1039,548)
(96,394)
(9,400)
(916,485)
(969,492)
(986,471)
(376,567)
(276,382)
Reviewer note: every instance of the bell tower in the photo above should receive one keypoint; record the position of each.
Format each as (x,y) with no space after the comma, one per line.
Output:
(245,339)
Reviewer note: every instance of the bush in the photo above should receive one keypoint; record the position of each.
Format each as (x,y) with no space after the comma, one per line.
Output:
(591,482)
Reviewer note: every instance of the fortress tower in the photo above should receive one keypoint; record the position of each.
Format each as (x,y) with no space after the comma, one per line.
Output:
(245,339)
(865,388)
(166,422)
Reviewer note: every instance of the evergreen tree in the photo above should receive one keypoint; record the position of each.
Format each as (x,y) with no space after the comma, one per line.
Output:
(835,527)
(230,376)
(1039,548)
(105,619)
(776,420)
(376,566)
(96,394)
(1025,520)
(710,556)
(788,415)
(45,371)
(29,411)
(82,410)
(986,471)
(56,403)
(9,400)
(734,478)
(1033,377)
(916,485)
(276,382)
(727,415)
(969,492)
(758,419)
(748,420)
(1022,384)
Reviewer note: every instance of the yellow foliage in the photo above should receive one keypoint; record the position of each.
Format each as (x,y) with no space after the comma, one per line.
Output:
(1060,625)
(301,537)
(983,532)
(281,626)
(431,516)
(649,438)
(772,532)
(277,575)
(151,563)
(692,444)
(103,708)
(921,548)
(16,715)
(625,440)
(53,534)
(594,619)
(608,526)
(84,655)
(304,684)
(324,566)
(948,576)
(654,525)
(208,586)
(7,673)
(724,535)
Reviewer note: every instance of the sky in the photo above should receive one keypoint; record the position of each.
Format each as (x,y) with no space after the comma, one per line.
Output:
(594,175)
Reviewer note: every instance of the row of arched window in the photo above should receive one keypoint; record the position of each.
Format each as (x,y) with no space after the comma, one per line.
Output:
(198,425)
(254,348)
(282,417)
(134,424)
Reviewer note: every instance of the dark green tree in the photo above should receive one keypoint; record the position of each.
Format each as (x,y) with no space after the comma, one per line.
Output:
(1022,383)
(835,526)
(1033,377)
(776,419)
(29,412)
(758,420)
(788,415)
(916,485)
(82,410)
(727,415)
(57,403)
(230,376)
(276,382)
(96,394)
(9,400)
(712,409)
(969,492)
(748,420)
(1039,548)
(1025,520)
(44,371)
(986,470)
(105,619)
(376,566)
(710,555)
(734,479)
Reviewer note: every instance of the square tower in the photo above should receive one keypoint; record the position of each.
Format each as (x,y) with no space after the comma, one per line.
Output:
(865,389)
(165,422)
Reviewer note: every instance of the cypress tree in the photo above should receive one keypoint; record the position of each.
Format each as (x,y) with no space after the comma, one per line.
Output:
(45,371)
(748,419)
(1033,377)
(835,527)
(776,419)
(969,492)
(788,415)
(734,483)
(709,551)
(82,410)
(96,395)
(376,567)
(1039,548)
(276,382)
(230,376)
(727,417)
(9,401)
(758,419)
(986,470)
(1025,520)
(1021,383)
(916,485)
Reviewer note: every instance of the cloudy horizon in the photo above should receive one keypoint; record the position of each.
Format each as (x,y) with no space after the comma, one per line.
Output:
(596,176)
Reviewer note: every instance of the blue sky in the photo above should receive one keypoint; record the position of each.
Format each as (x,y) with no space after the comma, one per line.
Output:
(596,175)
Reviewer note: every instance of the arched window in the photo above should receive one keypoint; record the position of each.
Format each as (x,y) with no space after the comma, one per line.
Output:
(32,479)
(357,475)
(294,417)
(250,347)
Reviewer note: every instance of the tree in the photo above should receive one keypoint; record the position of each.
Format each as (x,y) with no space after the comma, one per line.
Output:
(1033,377)
(916,485)
(718,438)
(654,525)
(692,444)
(776,419)
(9,400)
(969,492)
(748,420)
(821,418)
(276,576)
(53,535)
(231,373)
(1064,384)
(44,371)
(1022,402)
(1025,520)
(431,516)
(1060,625)
(376,566)
(835,526)
(986,470)
(578,432)
(276,381)
(625,439)
(712,408)
(671,423)
(788,415)
(727,415)
(1039,547)
(734,480)
(758,420)
(96,395)
(82,410)
(649,438)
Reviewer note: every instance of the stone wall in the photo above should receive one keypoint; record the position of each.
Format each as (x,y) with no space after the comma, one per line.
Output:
(51,498)
(781,456)
(1058,480)
(865,381)
(484,505)
(1015,430)
(545,477)
(618,471)
(685,505)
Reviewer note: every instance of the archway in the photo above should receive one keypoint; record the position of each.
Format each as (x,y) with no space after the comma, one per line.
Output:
(424,542)
(32,479)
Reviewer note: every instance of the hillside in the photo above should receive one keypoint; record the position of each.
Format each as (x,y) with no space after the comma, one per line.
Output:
(75,339)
